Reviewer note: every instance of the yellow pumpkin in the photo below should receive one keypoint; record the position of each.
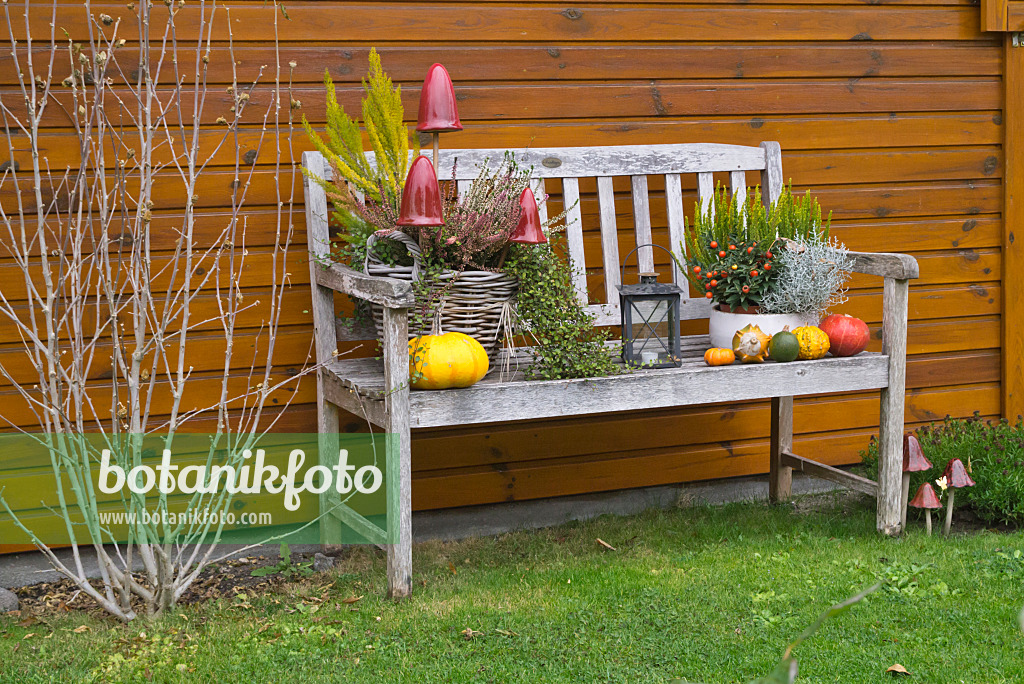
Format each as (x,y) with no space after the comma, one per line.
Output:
(813,342)
(446,361)
(750,344)
(719,356)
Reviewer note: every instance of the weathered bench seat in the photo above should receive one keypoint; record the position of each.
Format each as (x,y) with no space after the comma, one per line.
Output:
(357,385)
(378,388)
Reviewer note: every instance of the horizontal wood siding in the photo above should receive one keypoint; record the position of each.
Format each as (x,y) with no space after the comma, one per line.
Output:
(890,112)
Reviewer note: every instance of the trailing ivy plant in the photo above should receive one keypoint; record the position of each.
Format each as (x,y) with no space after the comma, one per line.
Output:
(565,342)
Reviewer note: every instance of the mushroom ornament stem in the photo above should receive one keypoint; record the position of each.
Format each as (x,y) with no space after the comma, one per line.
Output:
(956,477)
(949,513)
(927,499)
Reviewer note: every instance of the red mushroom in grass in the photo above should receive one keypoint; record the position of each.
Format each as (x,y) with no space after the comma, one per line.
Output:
(956,477)
(927,499)
(913,462)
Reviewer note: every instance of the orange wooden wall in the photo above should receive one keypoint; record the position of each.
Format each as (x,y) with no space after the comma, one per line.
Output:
(890,112)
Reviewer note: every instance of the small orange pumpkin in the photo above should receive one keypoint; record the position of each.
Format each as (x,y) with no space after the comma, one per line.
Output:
(719,356)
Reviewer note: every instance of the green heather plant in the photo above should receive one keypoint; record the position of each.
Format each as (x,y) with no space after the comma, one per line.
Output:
(780,259)
(994,455)
(381,183)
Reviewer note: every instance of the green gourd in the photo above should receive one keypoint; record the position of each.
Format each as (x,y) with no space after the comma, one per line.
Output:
(784,346)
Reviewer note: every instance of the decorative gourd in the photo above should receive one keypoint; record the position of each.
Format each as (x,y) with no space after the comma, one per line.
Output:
(446,361)
(750,344)
(847,335)
(719,356)
(813,342)
(784,347)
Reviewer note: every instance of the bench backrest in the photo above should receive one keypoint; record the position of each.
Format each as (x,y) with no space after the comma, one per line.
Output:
(570,164)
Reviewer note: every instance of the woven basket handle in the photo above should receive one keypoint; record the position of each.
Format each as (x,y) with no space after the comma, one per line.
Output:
(410,244)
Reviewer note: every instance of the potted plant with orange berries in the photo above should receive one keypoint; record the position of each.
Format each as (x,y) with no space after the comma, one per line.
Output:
(733,258)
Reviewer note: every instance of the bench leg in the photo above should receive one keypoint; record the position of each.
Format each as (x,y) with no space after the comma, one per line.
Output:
(890,424)
(328,426)
(780,477)
(399,461)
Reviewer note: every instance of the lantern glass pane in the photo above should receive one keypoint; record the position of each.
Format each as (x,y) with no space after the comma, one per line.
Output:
(649,330)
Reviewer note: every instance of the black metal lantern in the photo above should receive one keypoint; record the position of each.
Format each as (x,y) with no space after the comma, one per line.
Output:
(650,320)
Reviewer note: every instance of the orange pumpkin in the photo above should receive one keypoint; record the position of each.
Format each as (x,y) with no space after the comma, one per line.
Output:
(719,356)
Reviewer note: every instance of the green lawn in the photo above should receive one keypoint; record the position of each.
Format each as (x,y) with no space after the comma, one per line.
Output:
(711,594)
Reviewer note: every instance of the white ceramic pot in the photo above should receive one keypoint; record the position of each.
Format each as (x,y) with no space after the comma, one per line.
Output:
(723,326)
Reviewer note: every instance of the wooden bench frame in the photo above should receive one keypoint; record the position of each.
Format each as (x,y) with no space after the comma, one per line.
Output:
(379,391)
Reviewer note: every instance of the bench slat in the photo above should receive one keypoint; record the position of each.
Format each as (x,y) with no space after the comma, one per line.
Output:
(574,235)
(738,181)
(642,224)
(706,193)
(539,191)
(609,240)
(674,211)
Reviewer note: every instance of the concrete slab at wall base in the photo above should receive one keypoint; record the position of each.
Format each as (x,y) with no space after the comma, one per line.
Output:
(22,569)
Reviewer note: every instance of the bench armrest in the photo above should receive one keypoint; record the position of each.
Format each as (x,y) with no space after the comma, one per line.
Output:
(388,292)
(888,265)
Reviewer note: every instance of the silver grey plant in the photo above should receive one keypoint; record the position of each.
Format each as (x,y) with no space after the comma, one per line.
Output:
(813,276)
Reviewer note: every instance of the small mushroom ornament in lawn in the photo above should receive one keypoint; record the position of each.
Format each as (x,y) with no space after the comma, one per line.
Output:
(956,477)
(927,499)
(913,462)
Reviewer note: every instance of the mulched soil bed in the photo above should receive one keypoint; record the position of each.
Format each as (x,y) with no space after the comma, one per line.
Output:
(224,580)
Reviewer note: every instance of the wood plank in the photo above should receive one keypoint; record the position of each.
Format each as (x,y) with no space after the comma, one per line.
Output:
(642,225)
(655,467)
(780,473)
(507,444)
(417,23)
(825,472)
(946,133)
(1013,254)
(543,101)
(646,389)
(609,240)
(574,236)
(674,214)
(796,131)
(901,266)
(482,62)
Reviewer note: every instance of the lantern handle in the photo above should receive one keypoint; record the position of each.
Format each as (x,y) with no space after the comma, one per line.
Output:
(622,275)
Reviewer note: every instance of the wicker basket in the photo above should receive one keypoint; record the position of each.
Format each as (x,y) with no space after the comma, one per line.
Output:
(477,303)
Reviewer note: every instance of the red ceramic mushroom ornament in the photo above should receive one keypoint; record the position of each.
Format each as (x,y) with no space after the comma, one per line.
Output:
(438,110)
(927,499)
(529,230)
(913,462)
(421,197)
(956,477)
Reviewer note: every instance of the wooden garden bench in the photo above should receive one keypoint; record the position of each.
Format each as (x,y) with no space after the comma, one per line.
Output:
(378,388)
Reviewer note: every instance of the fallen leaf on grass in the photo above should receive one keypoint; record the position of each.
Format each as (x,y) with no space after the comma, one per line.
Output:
(470,633)
(80,629)
(605,544)
(897,670)
(28,622)
(28,636)
(505,632)
(452,568)
(351,599)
